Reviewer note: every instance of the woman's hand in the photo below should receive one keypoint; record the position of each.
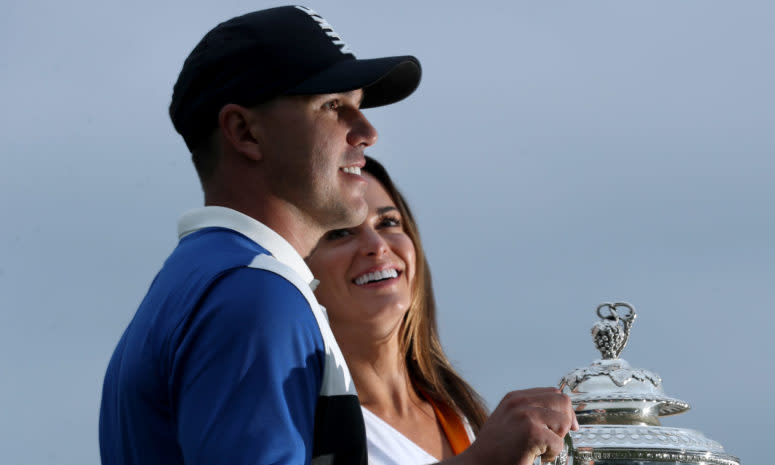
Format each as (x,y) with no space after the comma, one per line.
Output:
(525,424)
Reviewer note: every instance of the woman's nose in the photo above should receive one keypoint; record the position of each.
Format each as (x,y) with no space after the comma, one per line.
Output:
(374,243)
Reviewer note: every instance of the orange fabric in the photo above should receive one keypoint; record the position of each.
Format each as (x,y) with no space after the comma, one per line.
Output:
(452,425)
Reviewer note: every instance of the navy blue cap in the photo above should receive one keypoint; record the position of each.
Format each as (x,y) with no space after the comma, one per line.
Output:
(289,50)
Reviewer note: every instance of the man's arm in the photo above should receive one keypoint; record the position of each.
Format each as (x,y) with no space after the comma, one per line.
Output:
(246,374)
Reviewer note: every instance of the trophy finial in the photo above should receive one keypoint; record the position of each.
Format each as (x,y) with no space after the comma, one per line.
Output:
(612,331)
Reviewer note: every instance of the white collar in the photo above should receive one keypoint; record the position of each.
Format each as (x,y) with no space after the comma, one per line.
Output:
(222,217)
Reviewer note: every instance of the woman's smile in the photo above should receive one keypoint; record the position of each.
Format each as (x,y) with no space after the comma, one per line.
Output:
(387,275)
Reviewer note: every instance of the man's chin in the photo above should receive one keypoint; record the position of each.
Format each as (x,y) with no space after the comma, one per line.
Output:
(352,215)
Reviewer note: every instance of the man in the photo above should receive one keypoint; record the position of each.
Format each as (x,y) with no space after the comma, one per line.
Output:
(229,358)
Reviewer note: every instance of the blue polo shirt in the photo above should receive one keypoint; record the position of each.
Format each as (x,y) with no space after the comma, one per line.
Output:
(229,359)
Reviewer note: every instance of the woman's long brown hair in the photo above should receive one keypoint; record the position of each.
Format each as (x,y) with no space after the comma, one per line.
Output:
(428,366)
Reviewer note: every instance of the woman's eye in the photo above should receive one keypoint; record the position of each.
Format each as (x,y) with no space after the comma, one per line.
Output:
(337,234)
(390,221)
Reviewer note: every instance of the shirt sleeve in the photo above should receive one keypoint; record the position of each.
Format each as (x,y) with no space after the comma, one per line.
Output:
(247,372)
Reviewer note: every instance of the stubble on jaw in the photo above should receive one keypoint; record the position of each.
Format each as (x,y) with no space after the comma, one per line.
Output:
(339,203)
(340,217)
(343,215)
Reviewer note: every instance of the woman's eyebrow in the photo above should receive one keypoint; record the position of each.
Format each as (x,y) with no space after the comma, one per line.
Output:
(382,210)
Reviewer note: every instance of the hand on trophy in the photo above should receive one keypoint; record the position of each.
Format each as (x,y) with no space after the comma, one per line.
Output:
(525,425)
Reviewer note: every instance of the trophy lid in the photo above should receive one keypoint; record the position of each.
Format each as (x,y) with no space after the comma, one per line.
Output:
(609,390)
(618,407)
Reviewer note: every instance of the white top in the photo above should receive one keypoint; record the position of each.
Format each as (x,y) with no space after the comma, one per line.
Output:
(387,446)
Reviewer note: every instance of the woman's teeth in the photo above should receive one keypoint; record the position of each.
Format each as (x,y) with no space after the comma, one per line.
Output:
(376,276)
(352,170)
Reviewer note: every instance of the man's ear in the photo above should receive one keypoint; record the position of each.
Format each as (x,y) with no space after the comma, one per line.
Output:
(236,124)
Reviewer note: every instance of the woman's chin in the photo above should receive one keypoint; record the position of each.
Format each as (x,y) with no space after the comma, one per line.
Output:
(374,322)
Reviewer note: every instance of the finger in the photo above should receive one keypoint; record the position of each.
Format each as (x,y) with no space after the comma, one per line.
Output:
(557,411)
(552,447)
(536,391)
(544,397)
(558,422)
(562,404)
(549,398)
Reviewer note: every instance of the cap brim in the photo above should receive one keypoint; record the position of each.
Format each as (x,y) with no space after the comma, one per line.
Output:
(383,80)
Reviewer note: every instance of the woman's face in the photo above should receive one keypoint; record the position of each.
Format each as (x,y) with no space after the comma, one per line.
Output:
(366,272)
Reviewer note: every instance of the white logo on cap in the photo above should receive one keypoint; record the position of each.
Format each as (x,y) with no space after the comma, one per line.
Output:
(328,29)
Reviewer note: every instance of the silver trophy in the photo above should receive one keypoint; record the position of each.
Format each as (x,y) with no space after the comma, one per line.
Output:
(618,408)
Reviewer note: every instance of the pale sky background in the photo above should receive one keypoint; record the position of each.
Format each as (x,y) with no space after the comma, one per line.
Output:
(557,155)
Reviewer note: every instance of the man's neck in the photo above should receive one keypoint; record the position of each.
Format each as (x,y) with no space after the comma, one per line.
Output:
(283,219)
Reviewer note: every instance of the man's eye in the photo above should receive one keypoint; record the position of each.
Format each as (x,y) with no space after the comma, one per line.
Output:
(337,234)
(332,105)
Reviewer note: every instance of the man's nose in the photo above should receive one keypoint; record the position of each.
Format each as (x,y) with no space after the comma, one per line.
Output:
(362,133)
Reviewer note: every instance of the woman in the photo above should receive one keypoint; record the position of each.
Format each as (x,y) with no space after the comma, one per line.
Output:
(376,286)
